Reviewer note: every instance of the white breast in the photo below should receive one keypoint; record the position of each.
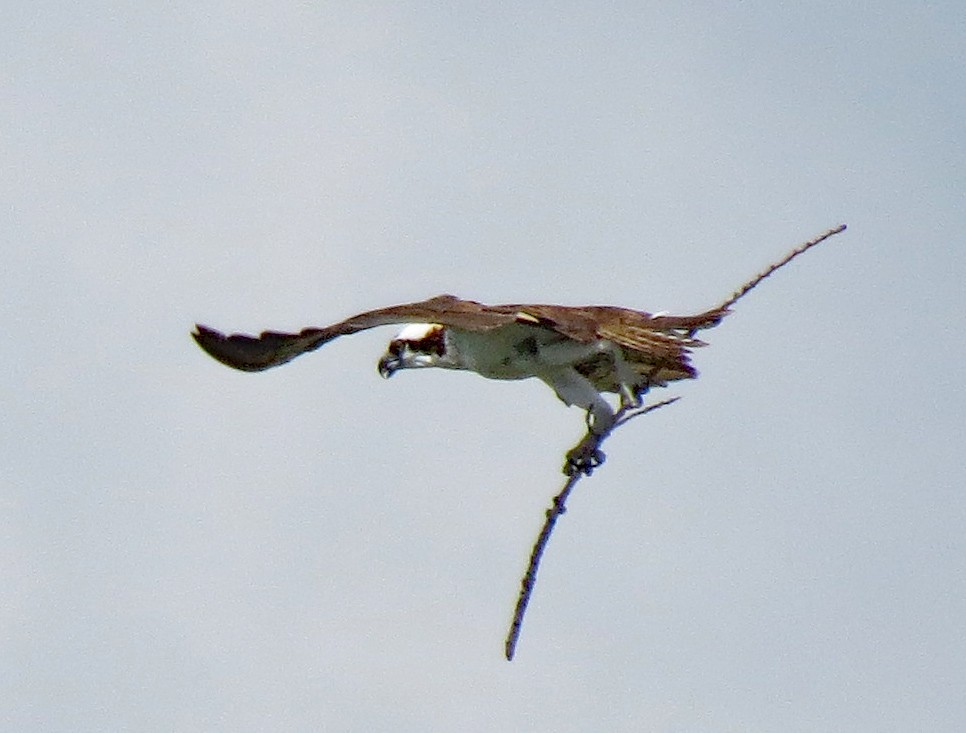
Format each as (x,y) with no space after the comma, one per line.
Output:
(507,352)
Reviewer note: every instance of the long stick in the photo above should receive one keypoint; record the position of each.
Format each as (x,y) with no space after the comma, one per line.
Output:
(801,249)
(558,507)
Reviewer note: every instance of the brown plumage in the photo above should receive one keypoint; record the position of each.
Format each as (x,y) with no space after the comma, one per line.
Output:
(656,347)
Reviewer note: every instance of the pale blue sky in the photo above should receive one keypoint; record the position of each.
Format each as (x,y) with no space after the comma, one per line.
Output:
(188,548)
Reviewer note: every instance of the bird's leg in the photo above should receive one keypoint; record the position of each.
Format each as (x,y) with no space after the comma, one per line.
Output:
(627,378)
(629,399)
(587,455)
(575,389)
(565,352)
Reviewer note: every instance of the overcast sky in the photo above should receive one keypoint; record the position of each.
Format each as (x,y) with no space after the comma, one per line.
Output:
(184,547)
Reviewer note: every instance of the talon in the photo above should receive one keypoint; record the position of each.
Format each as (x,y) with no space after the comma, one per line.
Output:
(583,459)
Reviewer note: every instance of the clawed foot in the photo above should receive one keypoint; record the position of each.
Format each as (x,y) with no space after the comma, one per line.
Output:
(584,457)
(631,400)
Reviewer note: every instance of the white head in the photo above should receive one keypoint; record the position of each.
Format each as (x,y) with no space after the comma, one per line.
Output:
(417,345)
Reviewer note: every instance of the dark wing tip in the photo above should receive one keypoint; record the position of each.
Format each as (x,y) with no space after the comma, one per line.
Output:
(205,337)
(249,353)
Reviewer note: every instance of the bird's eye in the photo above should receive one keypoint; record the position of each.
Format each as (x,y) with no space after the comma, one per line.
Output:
(395,347)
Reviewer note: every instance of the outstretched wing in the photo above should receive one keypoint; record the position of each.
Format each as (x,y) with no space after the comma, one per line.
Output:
(656,345)
(271,348)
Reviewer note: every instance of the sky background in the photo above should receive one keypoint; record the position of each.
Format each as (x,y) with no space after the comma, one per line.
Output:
(184,547)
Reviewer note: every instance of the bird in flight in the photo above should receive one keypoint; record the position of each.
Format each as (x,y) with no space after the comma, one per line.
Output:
(581,352)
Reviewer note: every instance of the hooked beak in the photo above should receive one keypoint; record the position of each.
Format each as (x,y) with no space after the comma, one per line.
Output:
(388,365)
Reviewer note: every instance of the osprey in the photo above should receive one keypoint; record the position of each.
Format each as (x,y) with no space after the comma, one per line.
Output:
(581,352)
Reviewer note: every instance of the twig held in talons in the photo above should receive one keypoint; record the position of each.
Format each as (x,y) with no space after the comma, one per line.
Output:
(558,507)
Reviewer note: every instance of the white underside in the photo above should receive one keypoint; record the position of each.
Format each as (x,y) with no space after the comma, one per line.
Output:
(519,351)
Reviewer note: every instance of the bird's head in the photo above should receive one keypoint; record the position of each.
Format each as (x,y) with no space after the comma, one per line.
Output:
(417,345)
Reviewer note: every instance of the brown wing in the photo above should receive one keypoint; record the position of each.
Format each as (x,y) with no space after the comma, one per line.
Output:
(271,348)
(656,345)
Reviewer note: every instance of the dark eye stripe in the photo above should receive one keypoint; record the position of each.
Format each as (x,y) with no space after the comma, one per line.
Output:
(432,344)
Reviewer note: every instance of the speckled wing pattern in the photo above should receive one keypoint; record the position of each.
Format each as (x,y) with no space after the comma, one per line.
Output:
(656,347)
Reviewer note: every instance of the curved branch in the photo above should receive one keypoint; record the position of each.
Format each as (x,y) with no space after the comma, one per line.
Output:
(756,280)
(559,506)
